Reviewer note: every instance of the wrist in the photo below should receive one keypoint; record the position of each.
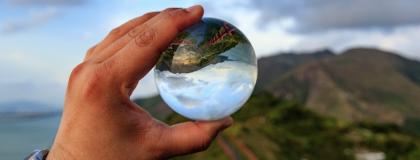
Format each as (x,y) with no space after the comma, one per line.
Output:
(51,156)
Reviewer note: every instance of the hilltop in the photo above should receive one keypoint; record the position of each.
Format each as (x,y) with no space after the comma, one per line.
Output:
(358,84)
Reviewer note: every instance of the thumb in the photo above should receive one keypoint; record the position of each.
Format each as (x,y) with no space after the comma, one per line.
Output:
(190,137)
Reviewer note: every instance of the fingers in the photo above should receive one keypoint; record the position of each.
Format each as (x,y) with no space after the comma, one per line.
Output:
(116,34)
(148,41)
(190,137)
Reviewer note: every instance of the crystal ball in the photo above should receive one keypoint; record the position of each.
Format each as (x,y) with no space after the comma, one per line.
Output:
(208,72)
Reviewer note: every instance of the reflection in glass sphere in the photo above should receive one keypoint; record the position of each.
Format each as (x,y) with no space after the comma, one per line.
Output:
(208,72)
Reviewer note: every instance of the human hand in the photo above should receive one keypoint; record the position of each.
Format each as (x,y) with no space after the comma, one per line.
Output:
(99,119)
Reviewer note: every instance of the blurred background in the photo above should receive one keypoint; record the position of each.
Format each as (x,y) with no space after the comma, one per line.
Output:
(337,79)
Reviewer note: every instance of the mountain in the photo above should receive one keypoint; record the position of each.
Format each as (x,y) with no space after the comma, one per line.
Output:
(26,109)
(272,67)
(322,105)
(359,84)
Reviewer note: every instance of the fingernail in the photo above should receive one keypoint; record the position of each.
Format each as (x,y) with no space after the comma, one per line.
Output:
(193,8)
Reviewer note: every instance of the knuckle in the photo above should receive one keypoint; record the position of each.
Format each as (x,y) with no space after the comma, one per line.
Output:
(116,32)
(145,37)
(78,75)
(168,10)
(95,80)
(134,32)
(87,80)
(90,51)
(91,84)
(77,71)
(150,14)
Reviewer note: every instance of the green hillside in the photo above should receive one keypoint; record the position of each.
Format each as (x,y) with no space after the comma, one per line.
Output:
(271,128)
(322,106)
(359,84)
(272,67)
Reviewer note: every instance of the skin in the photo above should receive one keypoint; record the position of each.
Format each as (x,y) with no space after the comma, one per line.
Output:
(101,122)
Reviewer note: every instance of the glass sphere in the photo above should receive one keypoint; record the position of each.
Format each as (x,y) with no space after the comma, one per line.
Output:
(208,72)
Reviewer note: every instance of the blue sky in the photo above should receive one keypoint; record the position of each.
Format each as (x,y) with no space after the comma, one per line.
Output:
(42,40)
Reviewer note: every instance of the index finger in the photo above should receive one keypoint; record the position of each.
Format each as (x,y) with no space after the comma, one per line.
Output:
(134,60)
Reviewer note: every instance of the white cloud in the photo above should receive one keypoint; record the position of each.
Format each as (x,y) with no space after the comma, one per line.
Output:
(47,2)
(267,40)
(402,40)
(269,27)
(327,15)
(35,18)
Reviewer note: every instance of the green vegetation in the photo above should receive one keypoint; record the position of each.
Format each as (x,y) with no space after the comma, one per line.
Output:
(411,69)
(272,128)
